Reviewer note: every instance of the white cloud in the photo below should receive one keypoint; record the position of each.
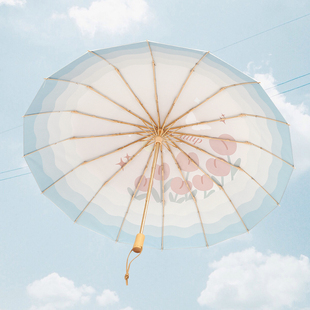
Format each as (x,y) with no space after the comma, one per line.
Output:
(54,292)
(13,2)
(252,280)
(127,308)
(110,16)
(299,119)
(107,298)
(58,16)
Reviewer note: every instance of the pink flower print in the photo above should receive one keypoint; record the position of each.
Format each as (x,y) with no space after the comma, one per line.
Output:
(157,175)
(224,147)
(144,183)
(202,182)
(217,167)
(179,186)
(186,164)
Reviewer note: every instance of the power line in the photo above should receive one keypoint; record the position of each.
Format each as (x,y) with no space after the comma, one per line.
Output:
(12,170)
(291,89)
(16,176)
(10,129)
(257,34)
(245,39)
(252,36)
(298,77)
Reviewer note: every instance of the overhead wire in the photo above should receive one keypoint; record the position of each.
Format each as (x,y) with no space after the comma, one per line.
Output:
(224,47)
(16,176)
(6,171)
(259,33)
(296,78)
(10,129)
(237,42)
(289,90)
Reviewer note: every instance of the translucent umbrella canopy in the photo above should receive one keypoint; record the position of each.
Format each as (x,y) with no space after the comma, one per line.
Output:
(175,130)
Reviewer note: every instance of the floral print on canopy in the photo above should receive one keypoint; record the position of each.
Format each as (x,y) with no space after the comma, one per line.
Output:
(186,164)
(158,176)
(202,182)
(201,185)
(179,186)
(144,183)
(224,147)
(217,167)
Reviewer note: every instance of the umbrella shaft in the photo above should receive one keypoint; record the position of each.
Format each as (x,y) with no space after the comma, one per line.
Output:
(149,190)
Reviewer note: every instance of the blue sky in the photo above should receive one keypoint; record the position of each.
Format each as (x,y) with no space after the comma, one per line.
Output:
(48,263)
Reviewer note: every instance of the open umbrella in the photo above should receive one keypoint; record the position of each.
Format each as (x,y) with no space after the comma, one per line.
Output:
(159,142)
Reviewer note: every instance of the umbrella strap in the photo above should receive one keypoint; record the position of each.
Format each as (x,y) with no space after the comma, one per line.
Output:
(128,266)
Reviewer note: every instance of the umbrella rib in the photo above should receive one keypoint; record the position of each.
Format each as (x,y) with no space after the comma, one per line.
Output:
(155,85)
(104,96)
(198,105)
(163,194)
(89,115)
(153,130)
(268,118)
(88,161)
(121,76)
(125,109)
(178,95)
(146,123)
(135,192)
(141,127)
(106,182)
(89,137)
(227,118)
(228,140)
(222,188)
(194,199)
(223,160)
(219,186)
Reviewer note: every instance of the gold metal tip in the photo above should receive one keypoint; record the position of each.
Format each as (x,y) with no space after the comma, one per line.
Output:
(138,245)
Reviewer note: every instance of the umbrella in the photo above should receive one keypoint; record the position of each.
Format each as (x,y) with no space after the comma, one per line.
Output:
(157,142)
